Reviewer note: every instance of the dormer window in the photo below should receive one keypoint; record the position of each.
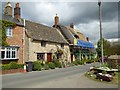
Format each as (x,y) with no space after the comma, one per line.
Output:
(43,44)
(62,45)
(8,31)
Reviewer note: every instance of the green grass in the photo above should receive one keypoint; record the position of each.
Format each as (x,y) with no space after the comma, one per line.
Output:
(114,81)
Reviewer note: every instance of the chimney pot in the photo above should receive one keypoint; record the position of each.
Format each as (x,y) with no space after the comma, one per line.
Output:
(56,20)
(17,5)
(17,11)
(72,25)
(87,38)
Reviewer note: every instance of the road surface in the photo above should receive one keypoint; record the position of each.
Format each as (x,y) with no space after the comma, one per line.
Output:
(71,77)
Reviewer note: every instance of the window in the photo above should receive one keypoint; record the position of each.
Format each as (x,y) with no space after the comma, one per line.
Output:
(43,43)
(8,31)
(62,45)
(9,53)
(40,56)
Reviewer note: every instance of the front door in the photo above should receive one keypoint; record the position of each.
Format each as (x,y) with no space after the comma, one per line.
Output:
(71,57)
(49,57)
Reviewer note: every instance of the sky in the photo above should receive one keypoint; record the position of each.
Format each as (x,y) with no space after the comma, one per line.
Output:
(84,16)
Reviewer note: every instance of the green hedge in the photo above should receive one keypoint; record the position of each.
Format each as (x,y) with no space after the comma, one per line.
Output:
(89,61)
(46,67)
(5,67)
(75,62)
(11,65)
(58,64)
(51,65)
(37,66)
(81,62)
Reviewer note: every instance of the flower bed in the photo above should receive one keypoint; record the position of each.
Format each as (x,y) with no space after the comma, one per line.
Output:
(103,74)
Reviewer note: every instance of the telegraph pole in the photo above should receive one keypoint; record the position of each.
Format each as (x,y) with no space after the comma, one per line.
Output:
(101,37)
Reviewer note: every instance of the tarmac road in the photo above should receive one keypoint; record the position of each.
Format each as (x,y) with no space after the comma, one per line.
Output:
(71,77)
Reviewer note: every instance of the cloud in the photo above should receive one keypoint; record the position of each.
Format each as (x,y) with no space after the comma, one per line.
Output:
(84,15)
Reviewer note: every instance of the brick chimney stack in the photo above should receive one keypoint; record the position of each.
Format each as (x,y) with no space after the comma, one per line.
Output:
(87,38)
(72,25)
(56,20)
(17,11)
(8,9)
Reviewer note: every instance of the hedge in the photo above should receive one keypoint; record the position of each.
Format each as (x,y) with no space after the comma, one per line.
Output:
(12,65)
(46,67)
(75,62)
(37,66)
(51,65)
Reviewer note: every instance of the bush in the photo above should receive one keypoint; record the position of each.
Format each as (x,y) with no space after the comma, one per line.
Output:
(89,61)
(104,72)
(81,62)
(58,64)
(20,65)
(51,65)
(46,67)
(37,66)
(5,67)
(13,65)
(75,62)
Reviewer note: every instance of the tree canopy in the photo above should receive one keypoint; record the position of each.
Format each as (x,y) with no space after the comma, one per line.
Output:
(109,48)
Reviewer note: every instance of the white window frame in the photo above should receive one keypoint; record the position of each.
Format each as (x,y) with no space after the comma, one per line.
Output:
(9,31)
(11,50)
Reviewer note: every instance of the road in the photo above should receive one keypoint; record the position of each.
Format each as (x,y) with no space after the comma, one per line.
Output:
(71,77)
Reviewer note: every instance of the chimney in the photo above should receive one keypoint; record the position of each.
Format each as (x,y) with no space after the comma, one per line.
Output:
(56,20)
(87,39)
(8,9)
(72,25)
(17,11)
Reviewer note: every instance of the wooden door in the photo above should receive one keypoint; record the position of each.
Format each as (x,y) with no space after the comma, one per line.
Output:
(71,57)
(49,57)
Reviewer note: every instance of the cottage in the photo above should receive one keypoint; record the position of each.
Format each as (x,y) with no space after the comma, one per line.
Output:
(43,42)
(80,47)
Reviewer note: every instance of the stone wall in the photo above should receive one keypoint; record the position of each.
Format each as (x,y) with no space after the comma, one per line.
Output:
(35,47)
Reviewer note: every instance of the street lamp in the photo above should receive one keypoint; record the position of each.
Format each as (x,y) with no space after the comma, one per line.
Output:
(101,38)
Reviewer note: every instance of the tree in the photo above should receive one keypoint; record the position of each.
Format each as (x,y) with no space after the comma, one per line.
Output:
(106,47)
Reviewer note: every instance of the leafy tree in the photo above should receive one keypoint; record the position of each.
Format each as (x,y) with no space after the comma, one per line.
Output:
(106,47)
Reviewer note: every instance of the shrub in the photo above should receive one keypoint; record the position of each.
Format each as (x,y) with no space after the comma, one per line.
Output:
(75,62)
(13,65)
(46,67)
(51,65)
(58,64)
(5,67)
(81,62)
(89,61)
(71,64)
(37,66)
(104,72)
(20,65)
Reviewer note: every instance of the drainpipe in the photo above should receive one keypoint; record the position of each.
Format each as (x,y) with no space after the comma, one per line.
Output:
(23,42)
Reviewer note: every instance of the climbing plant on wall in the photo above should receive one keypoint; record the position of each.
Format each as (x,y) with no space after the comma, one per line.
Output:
(3,25)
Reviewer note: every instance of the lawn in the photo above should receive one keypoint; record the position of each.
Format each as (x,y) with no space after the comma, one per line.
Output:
(92,76)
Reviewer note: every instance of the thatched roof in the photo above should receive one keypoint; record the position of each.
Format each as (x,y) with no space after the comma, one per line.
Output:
(76,32)
(41,32)
(66,33)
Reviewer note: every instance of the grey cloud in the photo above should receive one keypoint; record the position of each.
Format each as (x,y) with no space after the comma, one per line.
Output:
(82,14)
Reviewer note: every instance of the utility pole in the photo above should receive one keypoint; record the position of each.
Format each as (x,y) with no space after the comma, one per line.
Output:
(101,37)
